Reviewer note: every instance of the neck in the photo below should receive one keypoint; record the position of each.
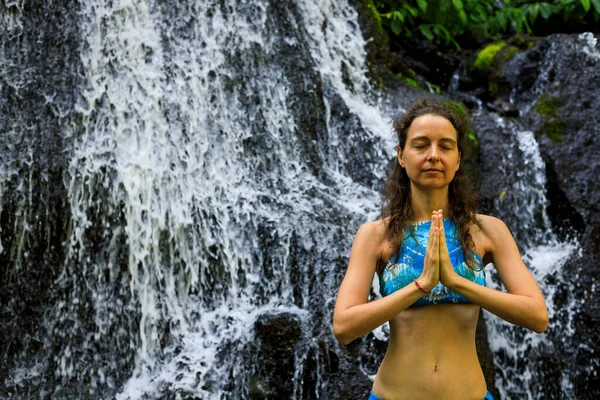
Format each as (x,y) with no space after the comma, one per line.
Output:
(425,201)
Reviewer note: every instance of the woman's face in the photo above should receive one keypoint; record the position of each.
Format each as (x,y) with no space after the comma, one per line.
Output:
(430,155)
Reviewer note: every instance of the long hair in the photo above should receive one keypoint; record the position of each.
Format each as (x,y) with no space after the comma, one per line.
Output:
(397,192)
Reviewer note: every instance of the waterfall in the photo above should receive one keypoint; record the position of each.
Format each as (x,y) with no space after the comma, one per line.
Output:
(519,354)
(178,177)
(213,178)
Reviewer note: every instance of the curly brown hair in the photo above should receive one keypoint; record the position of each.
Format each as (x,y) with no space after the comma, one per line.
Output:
(397,192)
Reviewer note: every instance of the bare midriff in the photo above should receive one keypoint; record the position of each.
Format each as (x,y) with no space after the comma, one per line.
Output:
(431,355)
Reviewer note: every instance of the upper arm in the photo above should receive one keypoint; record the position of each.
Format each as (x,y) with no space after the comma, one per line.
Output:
(512,271)
(356,285)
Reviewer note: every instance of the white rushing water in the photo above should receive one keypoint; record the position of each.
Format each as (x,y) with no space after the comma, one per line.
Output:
(227,152)
(181,181)
(523,207)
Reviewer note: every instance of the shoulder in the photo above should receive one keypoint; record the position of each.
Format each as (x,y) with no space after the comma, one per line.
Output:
(375,231)
(494,229)
(489,223)
(372,234)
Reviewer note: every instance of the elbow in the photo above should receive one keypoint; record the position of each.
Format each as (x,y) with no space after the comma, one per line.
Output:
(341,334)
(541,322)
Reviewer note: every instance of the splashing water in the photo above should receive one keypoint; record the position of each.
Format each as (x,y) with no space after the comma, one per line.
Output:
(516,350)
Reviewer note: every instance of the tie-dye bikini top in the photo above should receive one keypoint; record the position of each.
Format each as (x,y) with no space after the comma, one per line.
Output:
(406,265)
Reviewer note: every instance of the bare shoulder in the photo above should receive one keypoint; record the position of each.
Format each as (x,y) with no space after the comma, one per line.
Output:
(491,226)
(374,235)
(495,233)
(374,232)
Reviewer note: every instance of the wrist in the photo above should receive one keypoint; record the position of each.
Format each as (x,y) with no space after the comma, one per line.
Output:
(424,284)
(452,281)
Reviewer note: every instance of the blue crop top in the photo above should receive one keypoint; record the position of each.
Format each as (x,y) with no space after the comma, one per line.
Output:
(406,265)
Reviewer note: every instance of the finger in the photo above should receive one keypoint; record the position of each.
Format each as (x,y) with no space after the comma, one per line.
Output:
(432,226)
(443,244)
(435,243)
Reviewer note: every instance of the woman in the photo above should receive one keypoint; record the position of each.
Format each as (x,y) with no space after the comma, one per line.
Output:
(429,250)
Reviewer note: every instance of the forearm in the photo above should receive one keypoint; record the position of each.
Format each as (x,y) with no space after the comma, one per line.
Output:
(361,319)
(525,311)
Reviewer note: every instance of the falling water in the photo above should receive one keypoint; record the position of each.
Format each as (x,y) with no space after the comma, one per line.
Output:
(523,207)
(217,159)
(202,164)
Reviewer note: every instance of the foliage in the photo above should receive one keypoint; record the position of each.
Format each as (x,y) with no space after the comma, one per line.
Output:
(445,22)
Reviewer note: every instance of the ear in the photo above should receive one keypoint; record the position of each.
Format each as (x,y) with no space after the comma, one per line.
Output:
(458,163)
(400,159)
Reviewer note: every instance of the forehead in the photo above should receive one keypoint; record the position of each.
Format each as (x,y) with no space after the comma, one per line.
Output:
(433,127)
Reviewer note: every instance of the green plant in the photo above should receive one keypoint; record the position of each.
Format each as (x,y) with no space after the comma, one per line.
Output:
(447,22)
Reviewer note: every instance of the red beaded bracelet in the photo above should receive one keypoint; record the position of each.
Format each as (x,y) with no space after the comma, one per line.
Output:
(421,287)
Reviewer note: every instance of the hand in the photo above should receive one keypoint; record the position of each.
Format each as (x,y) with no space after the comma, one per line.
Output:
(447,273)
(431,267)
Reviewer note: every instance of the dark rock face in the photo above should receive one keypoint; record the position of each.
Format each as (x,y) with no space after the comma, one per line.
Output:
(39,72)
(277,336)
(569,138)
(555,86)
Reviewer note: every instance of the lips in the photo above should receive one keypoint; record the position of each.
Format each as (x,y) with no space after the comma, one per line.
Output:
(432,170)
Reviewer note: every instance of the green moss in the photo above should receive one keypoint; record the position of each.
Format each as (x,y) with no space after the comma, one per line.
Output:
(552,126)
(458,107)
(374,14)
(486,55)
(509,53)
(555,129)
(495,89)
(523,42)
(548,106)
(408,80)
(412,82)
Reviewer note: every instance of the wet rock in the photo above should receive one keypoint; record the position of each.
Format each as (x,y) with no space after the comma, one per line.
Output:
(276,338)
(503,108)
(555,85)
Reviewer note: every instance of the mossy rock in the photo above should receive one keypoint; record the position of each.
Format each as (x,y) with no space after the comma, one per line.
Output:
(409,80)
(508,52)
(486,56)
(522,42)
(491,61)
(458,107)
(548,107)
(373,14)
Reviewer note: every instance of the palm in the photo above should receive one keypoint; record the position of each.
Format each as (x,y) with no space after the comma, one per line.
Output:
(446,270)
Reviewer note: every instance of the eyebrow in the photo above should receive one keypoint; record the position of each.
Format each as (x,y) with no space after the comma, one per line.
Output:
(417,138)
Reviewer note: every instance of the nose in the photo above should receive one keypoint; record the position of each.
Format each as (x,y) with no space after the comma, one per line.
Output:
(433,154)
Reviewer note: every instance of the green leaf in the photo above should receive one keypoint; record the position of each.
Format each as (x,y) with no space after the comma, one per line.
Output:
(458,5)
(596,4)
(532,11)
(463,16)
(396,27)
(413,11)
(444,32)
(586,5)
(399,16)
(545,10)
(502,20)
(426,31)
(568,11)
(422,5)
